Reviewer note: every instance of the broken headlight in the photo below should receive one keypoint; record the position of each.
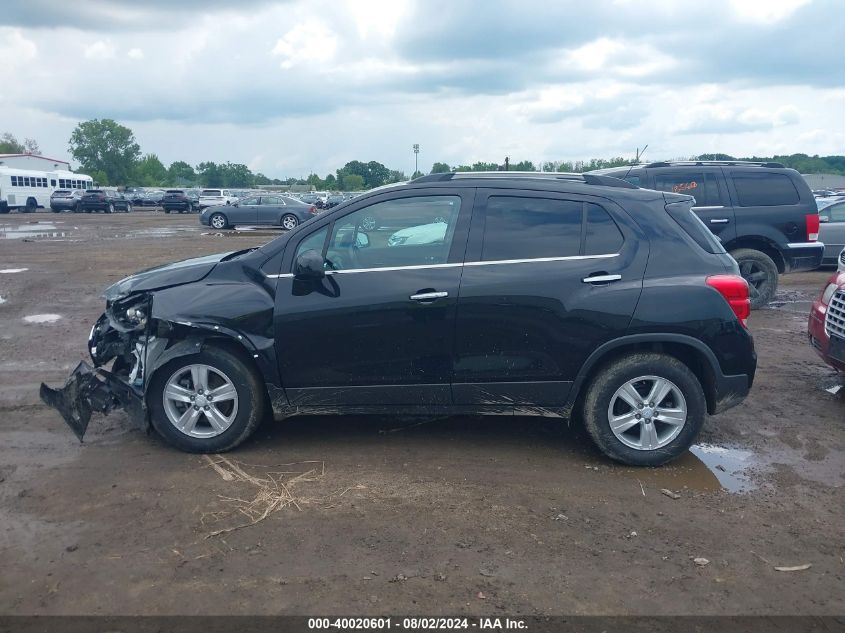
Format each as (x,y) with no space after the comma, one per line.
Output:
(130,314)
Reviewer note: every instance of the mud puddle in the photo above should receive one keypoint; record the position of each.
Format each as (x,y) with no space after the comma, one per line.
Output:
(705,468)
(42,318)
(157,232)
(36,230)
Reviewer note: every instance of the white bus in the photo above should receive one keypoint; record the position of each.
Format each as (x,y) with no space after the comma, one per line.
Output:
(28,189)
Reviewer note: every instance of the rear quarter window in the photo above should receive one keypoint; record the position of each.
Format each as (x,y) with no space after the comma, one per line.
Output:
(603,237)
(765,190)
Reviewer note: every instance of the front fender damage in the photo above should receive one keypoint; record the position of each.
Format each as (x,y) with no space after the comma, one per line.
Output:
(126,347)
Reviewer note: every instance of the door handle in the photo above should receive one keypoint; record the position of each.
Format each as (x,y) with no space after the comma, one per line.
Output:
(428,296)
(719,221)
(601,279)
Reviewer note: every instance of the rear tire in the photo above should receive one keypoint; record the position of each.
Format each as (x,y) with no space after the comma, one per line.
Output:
(245,409)
(128,208)
(289,221)
(646,440)
(111,208)
(760,272)
(31,206)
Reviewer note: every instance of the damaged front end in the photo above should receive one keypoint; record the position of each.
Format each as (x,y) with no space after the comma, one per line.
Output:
(118,345)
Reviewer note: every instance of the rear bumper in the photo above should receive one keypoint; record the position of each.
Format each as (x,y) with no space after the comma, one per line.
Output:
(802,256)
(61,205)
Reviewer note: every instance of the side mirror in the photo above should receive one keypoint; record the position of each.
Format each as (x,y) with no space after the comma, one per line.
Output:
(309,265)
(362,240)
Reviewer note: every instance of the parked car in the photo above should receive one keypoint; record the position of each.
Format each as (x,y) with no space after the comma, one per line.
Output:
(135,195)
(178,200)
(215,197)
(548,295)
(66,200)
(259,210)
(104,200)
(826,327)
(152,198)
(764,214)
(832,228)
(334,200)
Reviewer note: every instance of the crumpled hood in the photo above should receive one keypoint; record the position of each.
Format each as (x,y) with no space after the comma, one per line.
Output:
(175,274)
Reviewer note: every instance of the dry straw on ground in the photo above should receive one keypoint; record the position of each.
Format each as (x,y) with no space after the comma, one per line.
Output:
(273,489)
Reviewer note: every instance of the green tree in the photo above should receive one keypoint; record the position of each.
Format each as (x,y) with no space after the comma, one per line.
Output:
(30,146)
(209,174)
(440,168)
(373,173)
(261,179)
(396,176)
(315,181)
(353,182)
(330,182)
(181,174)
(523,165)
(105,145)
(236,175)
(9,144)
(150,171)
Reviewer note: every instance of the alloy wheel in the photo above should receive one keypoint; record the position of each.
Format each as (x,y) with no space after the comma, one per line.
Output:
(647,413)
(200,401)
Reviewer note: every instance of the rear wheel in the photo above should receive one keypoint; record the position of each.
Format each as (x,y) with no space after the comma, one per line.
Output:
(644,409)
(290,221)
(218,221)
(111,208)
(207,402)
(31,205)
(128,208)
(760,272)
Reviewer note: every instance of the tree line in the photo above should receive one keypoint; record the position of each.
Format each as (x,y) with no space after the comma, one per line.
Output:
(108,152)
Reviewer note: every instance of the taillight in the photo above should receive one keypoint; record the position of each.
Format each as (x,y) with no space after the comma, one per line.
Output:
(312,210)
(812,227)
(735,291)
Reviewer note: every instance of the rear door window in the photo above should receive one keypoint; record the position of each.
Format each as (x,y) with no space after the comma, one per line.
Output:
(764,190)
(531,228)
(703,186)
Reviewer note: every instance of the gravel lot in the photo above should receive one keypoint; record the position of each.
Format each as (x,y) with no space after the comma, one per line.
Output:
(446,516)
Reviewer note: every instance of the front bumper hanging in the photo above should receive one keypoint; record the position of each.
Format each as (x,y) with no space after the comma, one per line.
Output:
(88,390)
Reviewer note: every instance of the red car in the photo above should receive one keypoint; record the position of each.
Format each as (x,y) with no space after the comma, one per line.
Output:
(826,328)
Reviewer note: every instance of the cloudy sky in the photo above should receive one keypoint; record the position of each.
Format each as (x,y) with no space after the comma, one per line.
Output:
(299,86)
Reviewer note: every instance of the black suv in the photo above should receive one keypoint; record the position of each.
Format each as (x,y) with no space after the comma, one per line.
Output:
(104,200)
(764,214)
(539,294)
(178,200)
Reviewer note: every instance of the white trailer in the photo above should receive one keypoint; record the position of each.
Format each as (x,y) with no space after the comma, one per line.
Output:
(28,189)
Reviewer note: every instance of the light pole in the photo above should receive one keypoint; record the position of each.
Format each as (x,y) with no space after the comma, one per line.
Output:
(416,158)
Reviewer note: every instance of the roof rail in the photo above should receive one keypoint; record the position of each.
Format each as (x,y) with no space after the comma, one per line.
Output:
(705,163)
(587,179)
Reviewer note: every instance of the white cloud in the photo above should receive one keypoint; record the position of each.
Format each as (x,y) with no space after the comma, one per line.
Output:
(766,11)
(627,59)
(100,50)
(135,53)
(310,42)
(15,49)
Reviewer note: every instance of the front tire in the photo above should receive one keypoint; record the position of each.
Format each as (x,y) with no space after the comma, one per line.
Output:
(111,208)
(208,402)
(644,409)
(289,221)
(760,272)
(218,221)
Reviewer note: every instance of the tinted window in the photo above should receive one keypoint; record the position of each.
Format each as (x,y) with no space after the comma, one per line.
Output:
(314,241)
(603,236)
(402,232)
(765,190)
(703,187)
(836,212)
(528,228)
(210,192)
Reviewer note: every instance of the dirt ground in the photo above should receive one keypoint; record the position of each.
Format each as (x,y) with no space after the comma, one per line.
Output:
(448,516)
